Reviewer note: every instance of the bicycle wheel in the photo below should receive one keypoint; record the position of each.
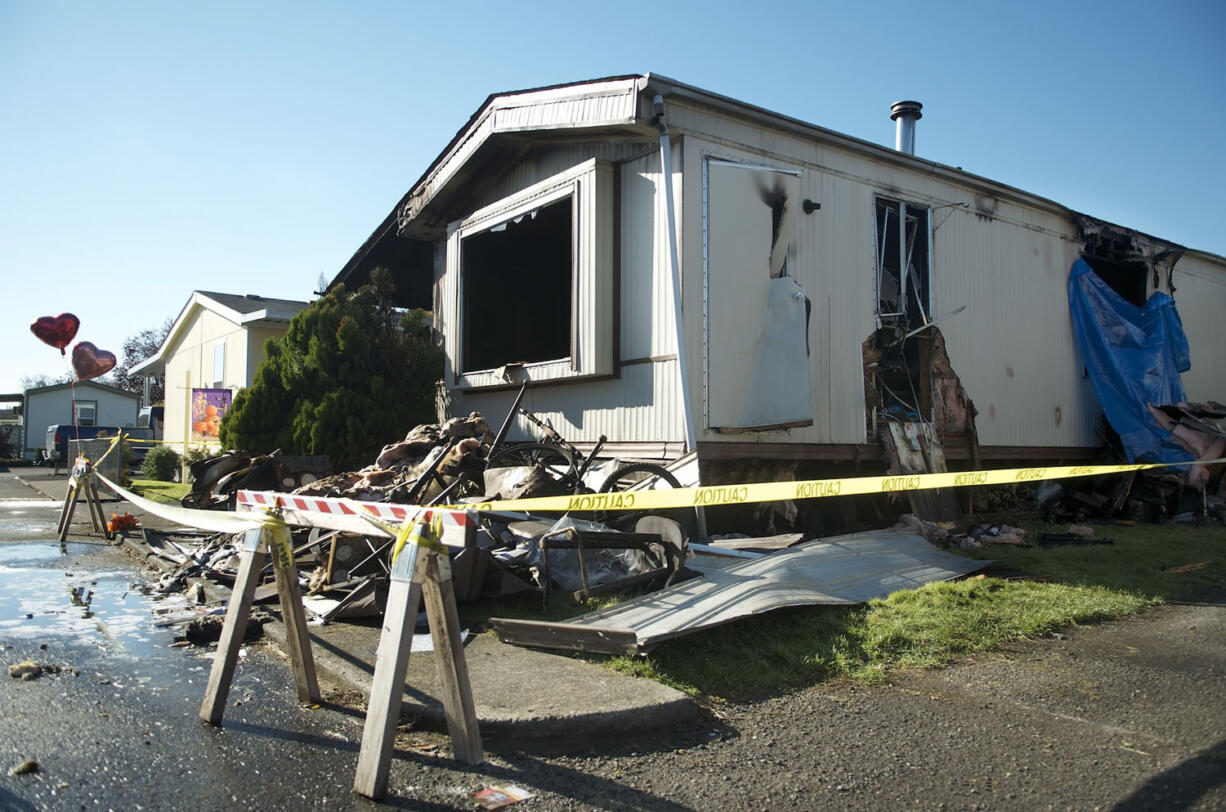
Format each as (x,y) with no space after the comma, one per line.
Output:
(627,477)
(556,461)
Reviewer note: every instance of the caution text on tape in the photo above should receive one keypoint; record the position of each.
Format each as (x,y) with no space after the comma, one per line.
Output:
(712,495)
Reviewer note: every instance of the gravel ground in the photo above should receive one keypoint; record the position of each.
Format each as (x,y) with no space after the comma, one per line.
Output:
(1127,715)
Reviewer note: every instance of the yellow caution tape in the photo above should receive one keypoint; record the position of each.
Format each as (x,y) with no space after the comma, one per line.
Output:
(804,489)
(131,441)
(423,533)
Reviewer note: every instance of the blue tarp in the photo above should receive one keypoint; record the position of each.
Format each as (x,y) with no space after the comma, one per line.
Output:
(1134,356)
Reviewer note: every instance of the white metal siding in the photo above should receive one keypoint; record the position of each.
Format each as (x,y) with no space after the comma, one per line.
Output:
(641,404)
(544,163)
(1200,298)
(1013,346)
(55,407)
(1001,253)
(618,107)
(1005,261)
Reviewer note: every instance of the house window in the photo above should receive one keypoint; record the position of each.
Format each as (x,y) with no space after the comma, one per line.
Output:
(219,362)
(903,279)
(85,412)
(518,286)
(530,279)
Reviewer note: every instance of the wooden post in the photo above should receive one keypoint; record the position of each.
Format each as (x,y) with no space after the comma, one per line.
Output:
(439,594)
(298,641)
(391,664)
(250,565)
(81,482)
(70,507)
(95,505)
(417,571)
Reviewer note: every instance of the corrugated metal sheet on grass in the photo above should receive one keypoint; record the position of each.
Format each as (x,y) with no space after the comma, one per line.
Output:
(837,571)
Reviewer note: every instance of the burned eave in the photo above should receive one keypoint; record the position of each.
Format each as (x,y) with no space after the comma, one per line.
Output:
(1112,250)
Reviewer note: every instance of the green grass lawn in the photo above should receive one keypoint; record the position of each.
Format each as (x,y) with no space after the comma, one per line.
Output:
(928,627)
(159,491)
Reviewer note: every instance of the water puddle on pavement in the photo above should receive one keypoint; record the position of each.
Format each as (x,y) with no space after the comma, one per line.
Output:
(40,600)
(91,614)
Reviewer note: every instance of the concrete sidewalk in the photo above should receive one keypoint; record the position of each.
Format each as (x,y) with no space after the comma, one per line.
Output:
(517,692)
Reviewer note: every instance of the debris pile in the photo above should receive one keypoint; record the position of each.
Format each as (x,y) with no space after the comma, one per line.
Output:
(943,534)
(345,573)
(32,669)
(429,461)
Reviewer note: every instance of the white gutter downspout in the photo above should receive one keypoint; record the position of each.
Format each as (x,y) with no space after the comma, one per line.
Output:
(674,261)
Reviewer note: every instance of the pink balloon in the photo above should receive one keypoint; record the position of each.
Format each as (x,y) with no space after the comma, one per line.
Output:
(90,362)
(58,331)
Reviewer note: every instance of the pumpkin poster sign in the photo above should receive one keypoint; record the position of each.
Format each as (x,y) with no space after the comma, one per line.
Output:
(208,408)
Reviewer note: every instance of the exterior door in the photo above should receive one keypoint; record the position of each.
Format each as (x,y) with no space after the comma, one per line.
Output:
(756,365)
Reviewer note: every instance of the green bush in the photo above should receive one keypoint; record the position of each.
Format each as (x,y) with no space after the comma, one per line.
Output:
(161,463)
(195,454)
(8,448)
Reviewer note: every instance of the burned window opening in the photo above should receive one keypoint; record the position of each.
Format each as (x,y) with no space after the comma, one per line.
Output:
(517,280)
(1113,258)
(1125,278)
(901,379)
(902,298)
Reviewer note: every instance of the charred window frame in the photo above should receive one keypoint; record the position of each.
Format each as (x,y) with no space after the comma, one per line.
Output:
(902,297)
(532,282)
(1114,259)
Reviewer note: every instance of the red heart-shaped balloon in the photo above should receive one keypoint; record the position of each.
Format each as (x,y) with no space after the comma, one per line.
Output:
(58,331)
(90,362)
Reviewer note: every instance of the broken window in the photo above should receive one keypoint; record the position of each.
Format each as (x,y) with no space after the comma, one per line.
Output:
(898,374)
(529,280)
(902,263)
(517,279)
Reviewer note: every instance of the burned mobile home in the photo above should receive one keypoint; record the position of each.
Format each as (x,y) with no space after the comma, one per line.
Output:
(828,286)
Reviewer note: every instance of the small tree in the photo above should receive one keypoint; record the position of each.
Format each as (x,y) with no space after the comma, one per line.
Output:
(137,348)
(350,375)
(29,382)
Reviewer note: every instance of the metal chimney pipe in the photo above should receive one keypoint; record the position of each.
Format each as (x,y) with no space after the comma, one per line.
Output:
(906,113)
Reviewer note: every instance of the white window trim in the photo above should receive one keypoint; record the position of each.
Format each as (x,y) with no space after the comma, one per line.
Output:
(903,204)
(589,186)
(78,406)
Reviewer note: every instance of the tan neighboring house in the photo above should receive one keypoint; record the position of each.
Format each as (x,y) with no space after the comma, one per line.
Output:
(212,351)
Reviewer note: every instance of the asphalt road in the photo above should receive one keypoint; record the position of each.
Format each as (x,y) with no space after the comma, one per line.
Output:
(1127,715)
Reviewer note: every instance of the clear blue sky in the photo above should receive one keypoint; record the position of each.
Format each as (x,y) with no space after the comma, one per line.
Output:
(150,149)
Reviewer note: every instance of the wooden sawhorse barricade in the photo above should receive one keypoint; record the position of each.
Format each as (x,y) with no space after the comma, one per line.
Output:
(81,481)
(420,570)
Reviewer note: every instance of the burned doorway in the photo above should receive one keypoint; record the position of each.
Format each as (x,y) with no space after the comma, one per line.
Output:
(755,315)
(900,387)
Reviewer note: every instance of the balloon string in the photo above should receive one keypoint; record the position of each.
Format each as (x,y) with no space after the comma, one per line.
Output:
(72,387)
